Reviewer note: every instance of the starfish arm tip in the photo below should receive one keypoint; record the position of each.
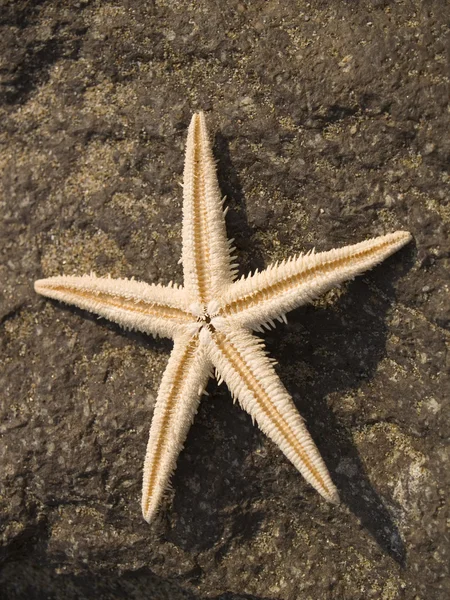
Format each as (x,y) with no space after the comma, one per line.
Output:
(148,515)
(39,285)
(402,235)
(408,236)
(333,497)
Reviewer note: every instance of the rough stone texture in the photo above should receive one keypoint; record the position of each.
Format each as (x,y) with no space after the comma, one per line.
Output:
(331,125)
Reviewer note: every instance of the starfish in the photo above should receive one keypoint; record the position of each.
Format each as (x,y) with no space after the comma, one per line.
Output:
(211,319)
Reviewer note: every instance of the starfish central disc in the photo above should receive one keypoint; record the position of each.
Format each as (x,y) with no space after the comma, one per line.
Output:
(207,319)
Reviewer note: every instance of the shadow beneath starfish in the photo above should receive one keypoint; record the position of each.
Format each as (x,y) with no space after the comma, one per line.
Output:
(333,339)
(36,579)
(237,222)
(162,345)
(342,353)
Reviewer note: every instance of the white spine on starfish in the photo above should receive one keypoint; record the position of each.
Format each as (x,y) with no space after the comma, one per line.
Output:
(183,382)
(242,363)
(156,309)
(206,251)
(262,297)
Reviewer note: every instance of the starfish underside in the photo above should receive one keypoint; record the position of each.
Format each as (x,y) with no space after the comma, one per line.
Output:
(211,319)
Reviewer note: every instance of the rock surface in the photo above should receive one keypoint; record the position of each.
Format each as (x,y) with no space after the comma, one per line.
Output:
(331,125)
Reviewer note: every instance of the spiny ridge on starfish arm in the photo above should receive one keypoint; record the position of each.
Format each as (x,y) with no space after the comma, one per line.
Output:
(210,319)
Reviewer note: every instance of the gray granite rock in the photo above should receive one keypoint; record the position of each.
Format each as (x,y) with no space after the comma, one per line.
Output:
(331,125)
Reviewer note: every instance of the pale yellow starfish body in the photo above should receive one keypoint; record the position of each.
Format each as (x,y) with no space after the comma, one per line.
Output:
(211,319)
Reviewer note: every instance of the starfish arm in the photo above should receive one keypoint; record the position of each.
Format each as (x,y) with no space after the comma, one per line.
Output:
(241,362)
(178,398)
(258,299)
(155,309)
(206,249)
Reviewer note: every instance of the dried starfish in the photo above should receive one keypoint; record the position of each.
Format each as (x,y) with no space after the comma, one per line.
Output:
(210,320)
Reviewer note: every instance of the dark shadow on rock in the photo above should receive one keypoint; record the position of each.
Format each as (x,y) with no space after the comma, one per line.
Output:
(360,497)
(137,337)
(31,581)
(344,363)
(30,57)
(25,543)
(236,220)
(214,497)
